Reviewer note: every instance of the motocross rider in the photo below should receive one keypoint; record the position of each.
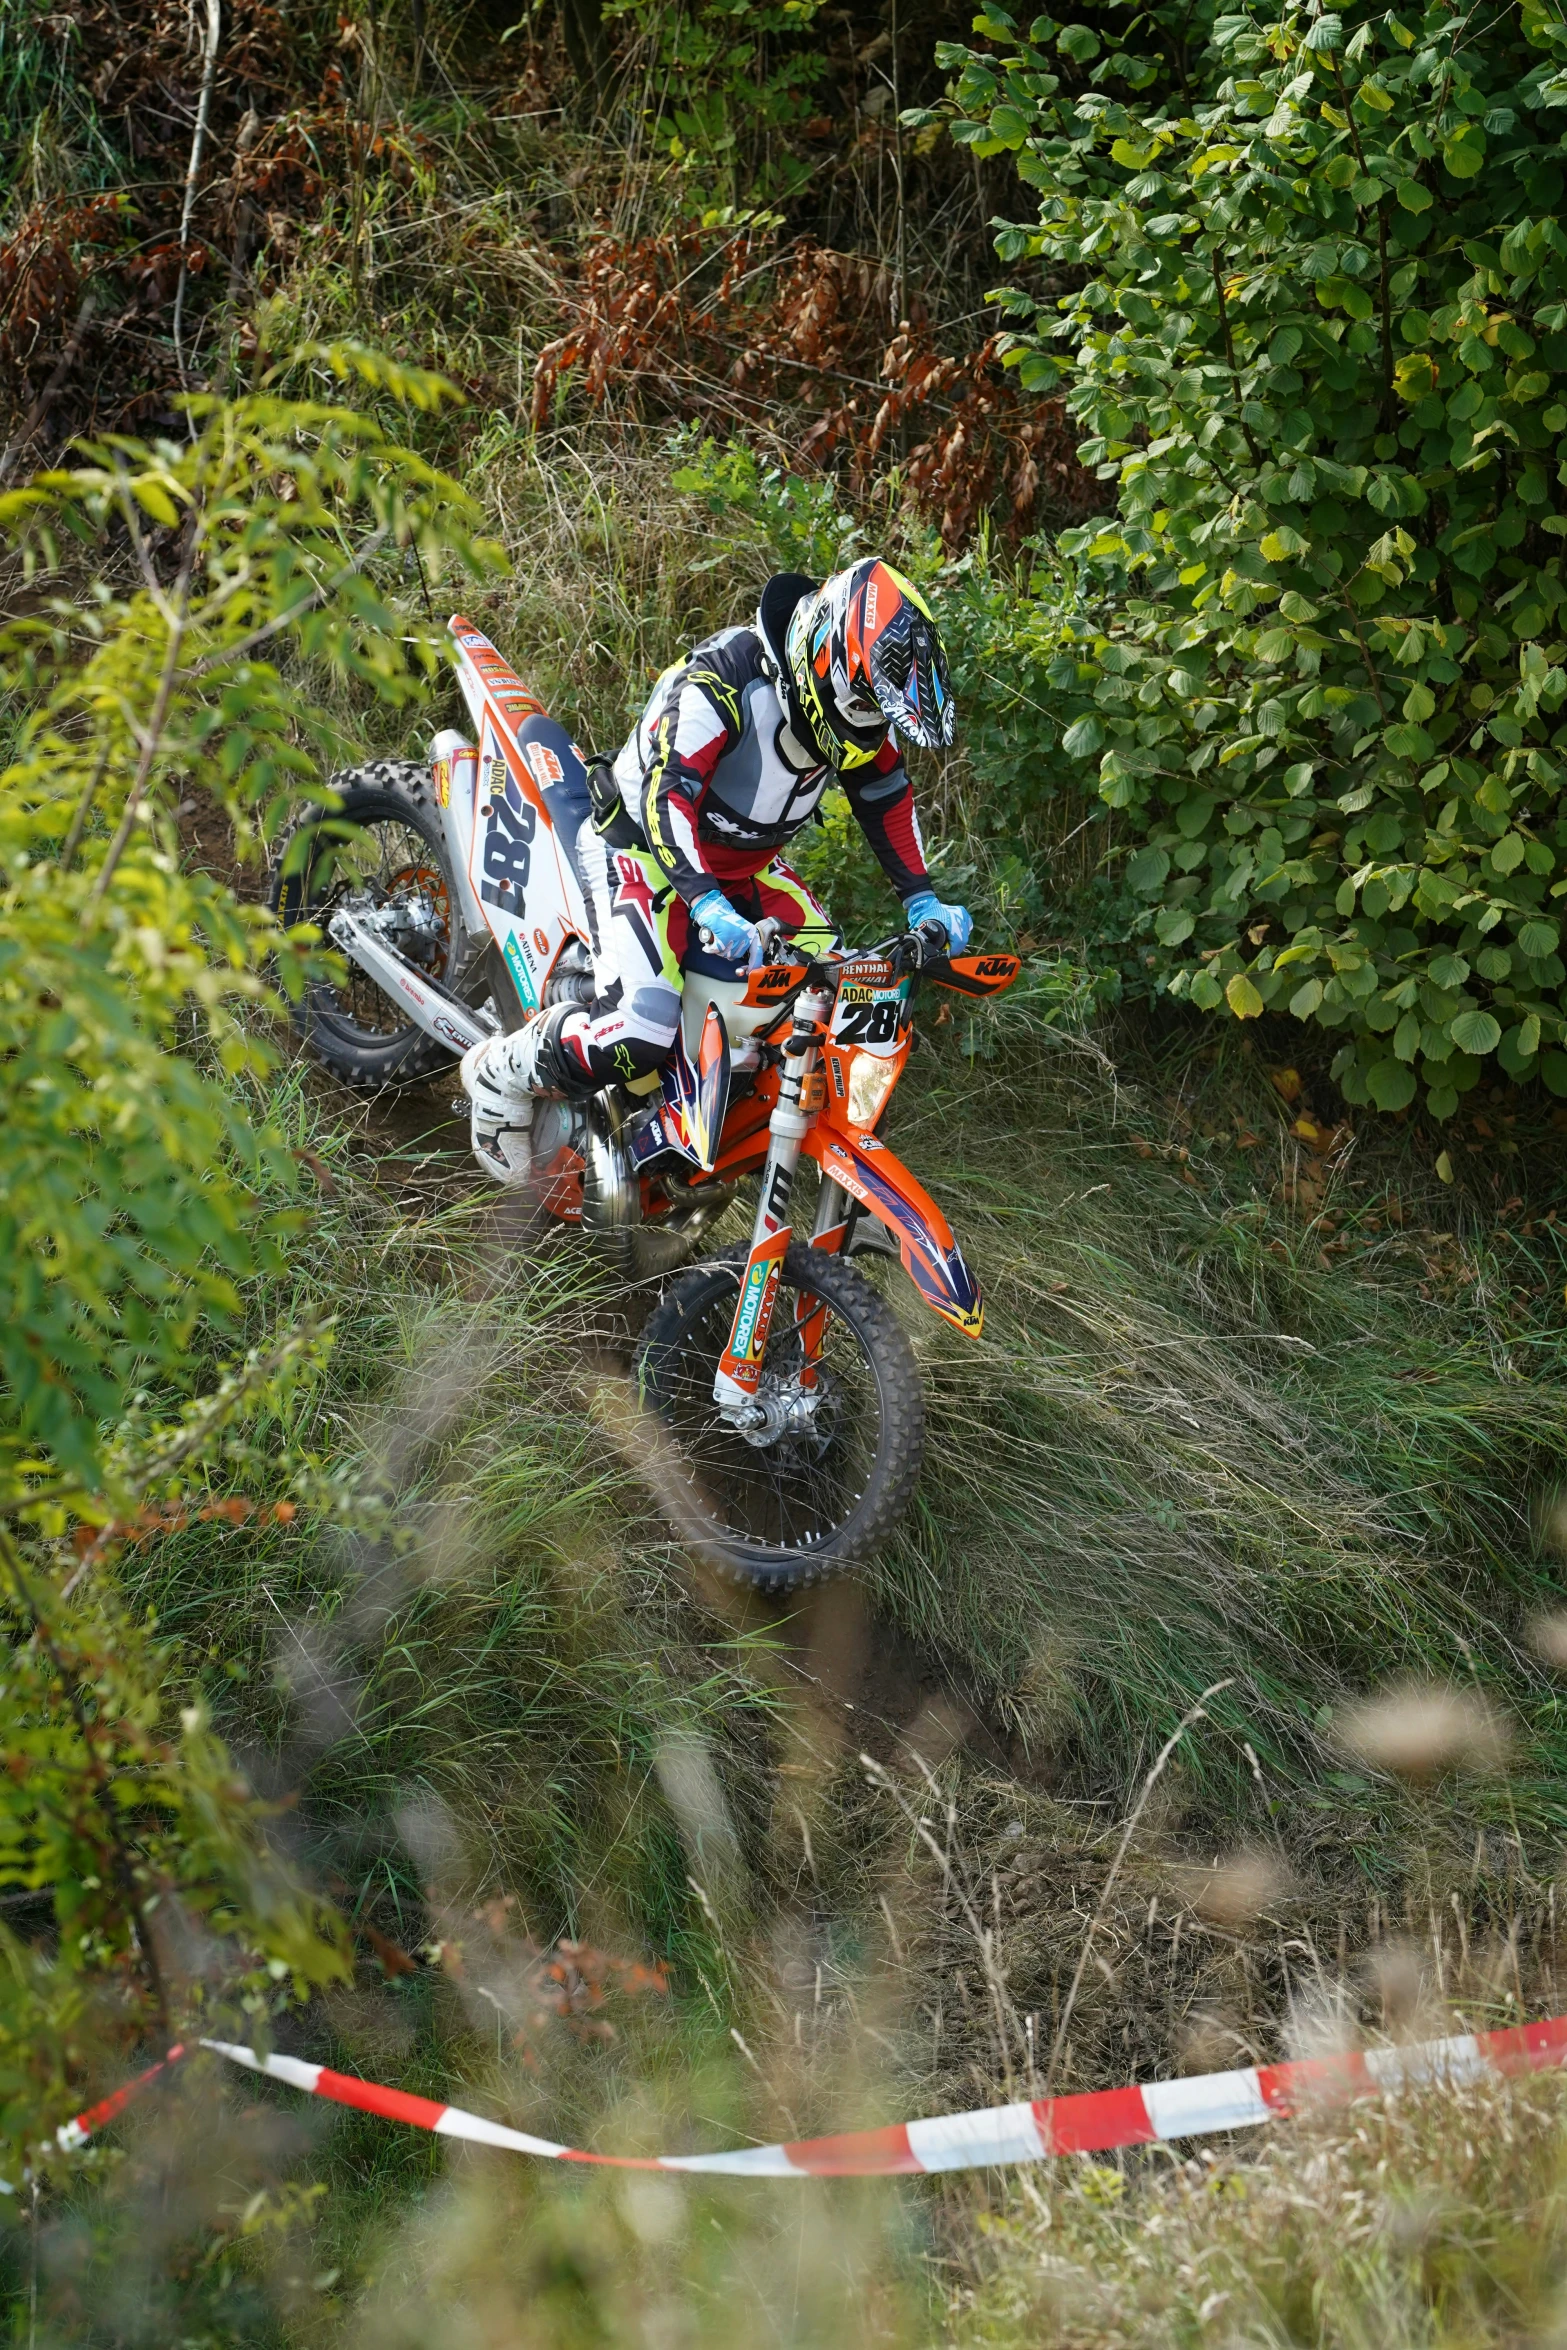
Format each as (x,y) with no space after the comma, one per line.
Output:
(681,860)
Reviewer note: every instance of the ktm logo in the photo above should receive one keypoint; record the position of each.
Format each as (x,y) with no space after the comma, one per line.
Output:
(774,982)
(546,768)
(993,967)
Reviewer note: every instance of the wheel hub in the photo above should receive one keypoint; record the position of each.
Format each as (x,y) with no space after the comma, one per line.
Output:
(783,1407)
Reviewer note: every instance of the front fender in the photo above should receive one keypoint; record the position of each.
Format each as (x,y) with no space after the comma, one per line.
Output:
(879,1181)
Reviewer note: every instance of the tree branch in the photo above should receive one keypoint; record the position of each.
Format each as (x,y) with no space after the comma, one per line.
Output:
(270,628)
(209,70)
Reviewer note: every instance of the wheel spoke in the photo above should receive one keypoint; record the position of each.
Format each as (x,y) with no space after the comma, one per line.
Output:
(796,1491)
(392,864)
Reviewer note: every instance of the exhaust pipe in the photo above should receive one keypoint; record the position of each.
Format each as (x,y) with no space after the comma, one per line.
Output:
(431,1006)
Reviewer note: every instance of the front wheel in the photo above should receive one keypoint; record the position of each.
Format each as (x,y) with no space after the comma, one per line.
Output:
(833,1470)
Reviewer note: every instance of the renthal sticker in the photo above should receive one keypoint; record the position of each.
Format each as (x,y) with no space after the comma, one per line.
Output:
(867,974)
(543,765)
(521,975)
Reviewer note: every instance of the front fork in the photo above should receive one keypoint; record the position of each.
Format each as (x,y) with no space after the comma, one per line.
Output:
(739,1372)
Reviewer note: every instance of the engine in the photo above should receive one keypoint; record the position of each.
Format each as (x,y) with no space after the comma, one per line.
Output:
(571,981)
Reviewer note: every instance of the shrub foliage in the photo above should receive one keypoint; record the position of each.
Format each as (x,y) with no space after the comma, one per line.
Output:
(1314,328)
(162,586)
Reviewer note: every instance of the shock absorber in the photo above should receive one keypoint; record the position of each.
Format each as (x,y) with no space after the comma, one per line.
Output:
(739,1372)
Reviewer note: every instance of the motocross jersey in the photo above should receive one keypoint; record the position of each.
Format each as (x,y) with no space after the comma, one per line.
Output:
(717,779)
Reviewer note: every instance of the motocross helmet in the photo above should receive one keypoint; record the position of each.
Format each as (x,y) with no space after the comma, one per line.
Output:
(864,654)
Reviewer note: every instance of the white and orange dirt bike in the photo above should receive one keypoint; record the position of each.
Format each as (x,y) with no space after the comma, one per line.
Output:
(783,1417)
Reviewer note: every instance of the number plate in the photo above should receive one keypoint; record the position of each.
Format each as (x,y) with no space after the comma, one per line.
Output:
(871,1012)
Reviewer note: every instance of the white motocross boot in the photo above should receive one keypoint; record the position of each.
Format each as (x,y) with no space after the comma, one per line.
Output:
(503,1078)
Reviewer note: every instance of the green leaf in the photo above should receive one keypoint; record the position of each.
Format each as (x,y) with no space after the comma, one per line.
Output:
(1280,544)
(1080,42)
(1464,153)
(156,500)
(1082,739)
(1305,1000)
(1242,997)
(1009,125)
(1508,853)
(1538,939)
(1173,925)
(1475,1032)
(1413,197)
(1147,870)
(1392,1085)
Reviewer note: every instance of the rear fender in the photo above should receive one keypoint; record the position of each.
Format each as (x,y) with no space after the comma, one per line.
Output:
(882,1185)
(518,880)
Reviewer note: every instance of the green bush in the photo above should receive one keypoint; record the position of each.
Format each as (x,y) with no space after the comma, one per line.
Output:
(146,1180)
(1315,329)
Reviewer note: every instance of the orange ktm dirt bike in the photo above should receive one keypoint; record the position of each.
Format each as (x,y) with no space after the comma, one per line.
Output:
(782,1419)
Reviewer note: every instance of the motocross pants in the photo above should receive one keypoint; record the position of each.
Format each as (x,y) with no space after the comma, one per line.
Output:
(644,943)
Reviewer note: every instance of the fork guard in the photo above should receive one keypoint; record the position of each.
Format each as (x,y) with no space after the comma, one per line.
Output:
(876,1178)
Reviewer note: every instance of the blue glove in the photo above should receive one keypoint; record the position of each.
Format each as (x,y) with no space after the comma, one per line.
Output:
(957,921)
(735,939)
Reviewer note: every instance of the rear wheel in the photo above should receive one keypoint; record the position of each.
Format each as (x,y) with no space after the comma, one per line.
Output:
(397,857)
(834,1470)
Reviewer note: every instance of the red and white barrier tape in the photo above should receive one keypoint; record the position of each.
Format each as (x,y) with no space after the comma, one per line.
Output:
(1094,2123)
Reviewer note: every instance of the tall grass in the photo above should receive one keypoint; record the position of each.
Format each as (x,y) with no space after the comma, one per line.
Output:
(1431,2221)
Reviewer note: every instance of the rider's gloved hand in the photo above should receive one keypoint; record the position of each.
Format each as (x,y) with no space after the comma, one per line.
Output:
(737,940)
(956,921)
